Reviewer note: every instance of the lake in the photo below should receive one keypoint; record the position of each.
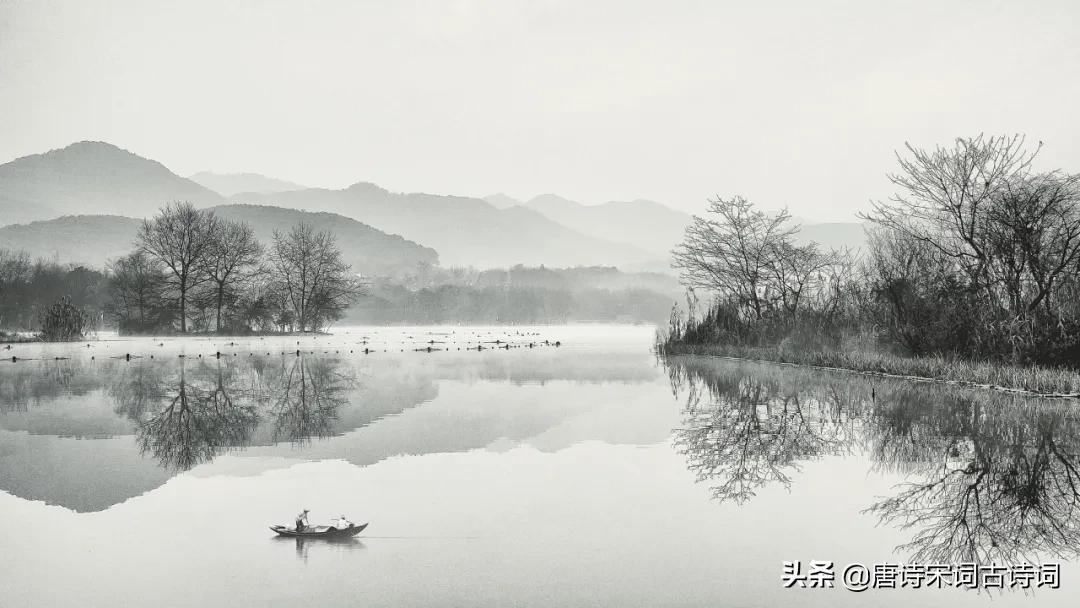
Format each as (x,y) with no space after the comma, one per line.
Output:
(584,474)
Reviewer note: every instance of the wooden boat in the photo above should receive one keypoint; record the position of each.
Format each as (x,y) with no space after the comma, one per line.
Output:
(320,531)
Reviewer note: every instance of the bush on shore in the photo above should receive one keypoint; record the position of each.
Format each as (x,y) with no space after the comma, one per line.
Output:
(63,322)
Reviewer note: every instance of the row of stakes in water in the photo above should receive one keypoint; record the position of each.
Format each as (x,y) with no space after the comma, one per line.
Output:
(500,345)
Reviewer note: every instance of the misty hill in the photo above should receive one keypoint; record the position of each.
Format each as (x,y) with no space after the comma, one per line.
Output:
(91,177)
(94,240)
(646,224)
(501,201)
(90,240)
(367,249)
(653,226)
(228,184)
(465,231)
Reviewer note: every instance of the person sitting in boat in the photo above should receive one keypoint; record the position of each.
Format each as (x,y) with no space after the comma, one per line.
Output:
(302,521)
(343,523)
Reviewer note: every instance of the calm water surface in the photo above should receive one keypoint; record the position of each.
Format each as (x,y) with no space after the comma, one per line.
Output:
(588,474)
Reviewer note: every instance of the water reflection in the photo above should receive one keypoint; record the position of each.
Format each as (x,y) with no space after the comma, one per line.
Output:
(156,415)
(991,477)
(304,396)
(22,386)
(188,413)
(303,545)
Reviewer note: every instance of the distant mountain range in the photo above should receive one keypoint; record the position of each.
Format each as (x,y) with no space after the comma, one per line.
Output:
(91,177)
(95,240)
(228,184)
(656,227)
(501,201)
(647,224)
(65,186)
(91,240)
(465,231)
(367,249)
(99,178)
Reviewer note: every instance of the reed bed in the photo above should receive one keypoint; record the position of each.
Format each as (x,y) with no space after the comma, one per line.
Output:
(1045,381)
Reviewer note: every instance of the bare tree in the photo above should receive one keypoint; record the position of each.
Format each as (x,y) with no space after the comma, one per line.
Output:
(180,237)
(135,287)
(973,223)
(316,284)
(946,196)
(232,259)
(16,271)
(733,253)
(1034,238)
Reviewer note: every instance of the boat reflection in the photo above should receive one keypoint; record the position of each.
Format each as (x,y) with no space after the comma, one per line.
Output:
(991,477)
(303,545)
(186,413)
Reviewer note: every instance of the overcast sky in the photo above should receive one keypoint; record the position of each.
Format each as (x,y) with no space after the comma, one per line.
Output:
(787,103)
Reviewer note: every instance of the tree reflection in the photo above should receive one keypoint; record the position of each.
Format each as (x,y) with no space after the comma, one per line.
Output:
(304,396)
(1003,485)
(991,476)
(743,432)
(184,416)
(187,413)
(31,382)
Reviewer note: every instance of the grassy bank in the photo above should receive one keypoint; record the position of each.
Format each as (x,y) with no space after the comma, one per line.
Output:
(999,376)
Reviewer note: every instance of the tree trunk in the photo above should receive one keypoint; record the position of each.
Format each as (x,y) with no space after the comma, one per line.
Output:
(220,294)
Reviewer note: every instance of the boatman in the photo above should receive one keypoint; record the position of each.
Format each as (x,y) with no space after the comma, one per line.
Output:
(343,523)
(301,521)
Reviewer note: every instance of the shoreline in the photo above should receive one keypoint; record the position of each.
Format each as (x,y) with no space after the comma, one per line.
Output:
(1031,381)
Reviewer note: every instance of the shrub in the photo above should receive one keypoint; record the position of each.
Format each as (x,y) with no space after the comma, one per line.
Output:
(63,321)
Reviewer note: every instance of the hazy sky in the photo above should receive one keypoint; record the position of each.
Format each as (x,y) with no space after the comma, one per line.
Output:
(788,103)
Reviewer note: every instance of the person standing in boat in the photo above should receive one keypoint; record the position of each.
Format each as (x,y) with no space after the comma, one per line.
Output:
(343,523)
(302,521)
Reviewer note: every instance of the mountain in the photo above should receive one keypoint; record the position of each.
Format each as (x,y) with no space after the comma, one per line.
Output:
(367,249)
(645,224)
(465,231)
(228,184)
(91,177)
(659,229)
(501,201)
(94,240)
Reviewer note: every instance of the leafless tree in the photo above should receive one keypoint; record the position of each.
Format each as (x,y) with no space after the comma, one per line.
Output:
(15,266)
(16,269)
(1034,238)
(765,283)
(945,196)
(232,260)
(973,224)
(315,283)
(136,287)
(180,237)
(733,252)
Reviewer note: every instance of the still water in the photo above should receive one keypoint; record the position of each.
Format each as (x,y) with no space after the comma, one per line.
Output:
(584,474)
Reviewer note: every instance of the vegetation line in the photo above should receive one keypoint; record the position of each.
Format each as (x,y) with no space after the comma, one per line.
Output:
(971,276)
(1030,381)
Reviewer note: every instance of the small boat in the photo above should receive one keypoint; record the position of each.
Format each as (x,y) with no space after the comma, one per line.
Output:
(321,531)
